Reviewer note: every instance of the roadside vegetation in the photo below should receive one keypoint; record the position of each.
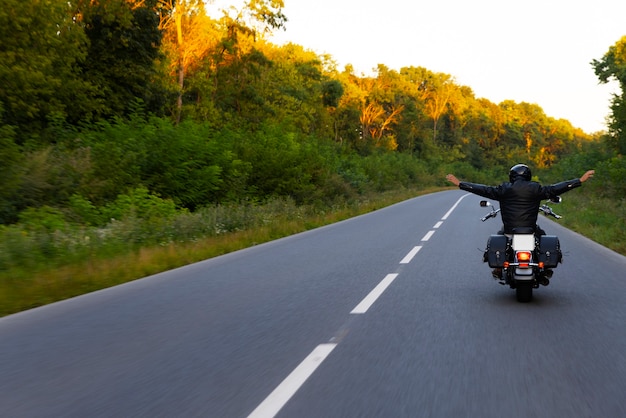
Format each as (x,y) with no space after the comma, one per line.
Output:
(141,135)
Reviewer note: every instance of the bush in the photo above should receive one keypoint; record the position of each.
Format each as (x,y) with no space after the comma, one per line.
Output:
(609,177)
(141,204)
(44,218)
(42,236)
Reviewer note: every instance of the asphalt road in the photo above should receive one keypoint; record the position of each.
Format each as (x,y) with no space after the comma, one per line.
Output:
(390,314)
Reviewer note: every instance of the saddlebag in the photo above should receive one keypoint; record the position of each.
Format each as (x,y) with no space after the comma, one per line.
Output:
(549,251)
(495,254)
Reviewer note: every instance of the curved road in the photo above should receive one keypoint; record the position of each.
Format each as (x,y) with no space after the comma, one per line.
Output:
(390,314)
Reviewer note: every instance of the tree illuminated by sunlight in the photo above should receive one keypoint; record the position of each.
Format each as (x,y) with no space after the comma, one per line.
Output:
(376,124)
(189,35)
(437,93)
(193,39)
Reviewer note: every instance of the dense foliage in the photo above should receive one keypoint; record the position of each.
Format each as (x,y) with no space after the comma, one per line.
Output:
(112,98)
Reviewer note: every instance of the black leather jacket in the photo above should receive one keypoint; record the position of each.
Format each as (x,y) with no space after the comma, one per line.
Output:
(520,200)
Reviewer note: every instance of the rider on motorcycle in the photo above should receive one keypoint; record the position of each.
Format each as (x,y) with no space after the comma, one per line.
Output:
(521,197)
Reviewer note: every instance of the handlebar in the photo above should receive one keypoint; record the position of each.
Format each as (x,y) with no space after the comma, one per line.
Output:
(492,214)
(547,210)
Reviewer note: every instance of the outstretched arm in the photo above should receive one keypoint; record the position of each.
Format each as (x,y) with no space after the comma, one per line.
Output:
(565,186)
(452,179)
(587,176)
(480,189)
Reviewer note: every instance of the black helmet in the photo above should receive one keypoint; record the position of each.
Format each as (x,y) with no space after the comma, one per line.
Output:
(519,170)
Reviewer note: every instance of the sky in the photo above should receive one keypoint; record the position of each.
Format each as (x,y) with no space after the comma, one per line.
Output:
(535,51)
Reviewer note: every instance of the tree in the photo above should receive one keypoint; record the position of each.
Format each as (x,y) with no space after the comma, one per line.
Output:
(438,91)
(413,130)
(40,55)
(263,16)
(612,66)
(10,172)
(290,87)
(195,42)
(332,90)
(189,36)
(124,46)
(376,123)
(485,129)
(527,130)
(370,109)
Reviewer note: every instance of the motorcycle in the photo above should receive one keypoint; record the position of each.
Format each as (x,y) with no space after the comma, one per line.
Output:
(525,258)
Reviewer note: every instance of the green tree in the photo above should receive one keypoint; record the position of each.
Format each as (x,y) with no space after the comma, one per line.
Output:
(184,163)
(483,133)
(123,49)
(40,55)
(413,130)
(525,130)
(295,90)
(11,161)
(612,66)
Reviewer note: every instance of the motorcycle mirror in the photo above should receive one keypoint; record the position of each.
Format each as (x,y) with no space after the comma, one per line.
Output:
(556,199)
(484,203)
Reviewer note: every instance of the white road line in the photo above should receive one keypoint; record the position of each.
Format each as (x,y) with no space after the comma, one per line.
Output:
(454,206)
(288,387)
(369,300)
(407,258)
(428,235)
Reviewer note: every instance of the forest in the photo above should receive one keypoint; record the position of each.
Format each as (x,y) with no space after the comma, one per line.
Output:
(134,120)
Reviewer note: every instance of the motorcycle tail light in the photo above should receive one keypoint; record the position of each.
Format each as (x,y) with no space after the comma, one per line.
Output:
(523,256)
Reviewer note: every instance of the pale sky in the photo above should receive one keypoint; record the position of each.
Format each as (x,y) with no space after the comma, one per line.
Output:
(535,51)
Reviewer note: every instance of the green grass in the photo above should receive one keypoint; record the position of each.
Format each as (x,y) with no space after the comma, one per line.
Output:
(599,218)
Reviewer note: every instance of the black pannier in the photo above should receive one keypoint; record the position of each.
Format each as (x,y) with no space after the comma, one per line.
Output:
(549,251)
(495,254)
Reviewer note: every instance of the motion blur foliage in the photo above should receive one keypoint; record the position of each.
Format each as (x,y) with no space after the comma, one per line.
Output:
(11,161)
(44,238)
(185,163)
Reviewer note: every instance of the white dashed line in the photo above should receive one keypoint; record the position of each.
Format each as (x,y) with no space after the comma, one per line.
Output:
(454,207)
(407,259)
(428,235)
(288,387)
(369,300)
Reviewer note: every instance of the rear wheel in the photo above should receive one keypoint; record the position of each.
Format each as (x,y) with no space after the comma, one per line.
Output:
(524,292)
